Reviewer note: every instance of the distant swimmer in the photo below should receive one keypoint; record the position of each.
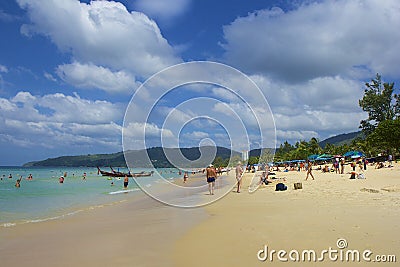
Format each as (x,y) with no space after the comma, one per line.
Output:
(61,179)
(84,176)
(18,182)
(10,176)
(126,182)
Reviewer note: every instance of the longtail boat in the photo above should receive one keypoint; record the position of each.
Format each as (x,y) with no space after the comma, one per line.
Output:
(114,173)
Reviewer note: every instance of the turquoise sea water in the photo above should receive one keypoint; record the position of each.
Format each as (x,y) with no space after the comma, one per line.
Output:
(44,198)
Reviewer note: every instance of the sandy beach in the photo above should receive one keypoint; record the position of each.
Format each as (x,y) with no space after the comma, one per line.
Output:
(327,209)
(230,232)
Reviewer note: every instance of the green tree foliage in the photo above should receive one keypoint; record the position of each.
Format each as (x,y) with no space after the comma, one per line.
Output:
(301,150)
(382,126)
(219,162)
(379,102)
(266,156)
(386,136)
(253,160)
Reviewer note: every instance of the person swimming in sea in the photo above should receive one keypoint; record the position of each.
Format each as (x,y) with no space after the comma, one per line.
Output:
(18,183)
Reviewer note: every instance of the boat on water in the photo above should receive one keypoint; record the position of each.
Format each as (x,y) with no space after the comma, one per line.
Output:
(114,173)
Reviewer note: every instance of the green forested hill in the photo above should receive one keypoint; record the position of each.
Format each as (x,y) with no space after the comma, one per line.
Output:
(158,157)
(341,139)
(135,157)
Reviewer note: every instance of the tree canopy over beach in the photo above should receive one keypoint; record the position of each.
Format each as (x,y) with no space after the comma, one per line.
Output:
(380,131)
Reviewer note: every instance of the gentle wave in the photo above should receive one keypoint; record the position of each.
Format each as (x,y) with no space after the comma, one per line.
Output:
(12,224)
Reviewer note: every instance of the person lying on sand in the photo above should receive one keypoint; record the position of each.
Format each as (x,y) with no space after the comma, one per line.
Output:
(379,165)
(325,168)
(265,180)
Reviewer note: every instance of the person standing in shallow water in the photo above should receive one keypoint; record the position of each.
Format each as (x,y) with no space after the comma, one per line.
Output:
(18,183)
(126,182)
(309,170)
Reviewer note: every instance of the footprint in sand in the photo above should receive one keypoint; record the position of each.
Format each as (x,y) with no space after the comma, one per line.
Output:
(393,188)
(369,190)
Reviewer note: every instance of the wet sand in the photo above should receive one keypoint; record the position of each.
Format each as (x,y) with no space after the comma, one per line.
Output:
(138,232)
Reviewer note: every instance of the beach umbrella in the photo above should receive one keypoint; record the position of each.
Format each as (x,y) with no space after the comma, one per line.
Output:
(324,157)
(353,154)
(313,157)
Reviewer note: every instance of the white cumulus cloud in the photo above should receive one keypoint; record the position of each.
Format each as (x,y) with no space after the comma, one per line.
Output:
(97,77)
(59,121)
(324,38)
(102,33)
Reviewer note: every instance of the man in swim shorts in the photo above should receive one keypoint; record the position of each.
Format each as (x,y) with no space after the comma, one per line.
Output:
(211,175)
(126,182)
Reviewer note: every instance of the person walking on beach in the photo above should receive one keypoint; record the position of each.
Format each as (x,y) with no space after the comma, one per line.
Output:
(309,170)
(126,182)
(185,177)
(239,173)
(211,174)
(390,158)
(342,166)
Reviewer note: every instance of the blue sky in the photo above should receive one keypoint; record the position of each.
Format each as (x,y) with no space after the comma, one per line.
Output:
(68,69)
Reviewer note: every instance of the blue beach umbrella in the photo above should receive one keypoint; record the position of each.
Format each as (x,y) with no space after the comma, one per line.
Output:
(354,154)
(313,157)
(324,157)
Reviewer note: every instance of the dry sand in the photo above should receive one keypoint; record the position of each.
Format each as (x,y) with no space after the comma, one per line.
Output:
(229,232)
(315,217)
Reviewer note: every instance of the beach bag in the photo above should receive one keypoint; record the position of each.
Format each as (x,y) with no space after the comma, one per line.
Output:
(280,187)
(361,176)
